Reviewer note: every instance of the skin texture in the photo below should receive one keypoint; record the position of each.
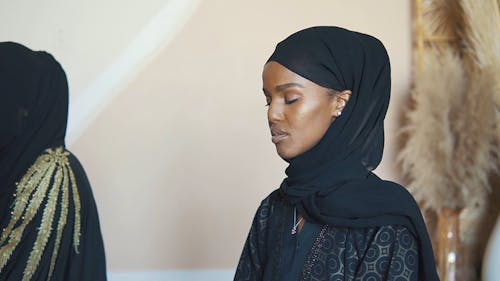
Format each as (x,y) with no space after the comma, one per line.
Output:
(299,110)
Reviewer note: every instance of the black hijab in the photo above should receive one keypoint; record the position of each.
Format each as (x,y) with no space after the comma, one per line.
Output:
(332,183)
(33,116)
(33,111)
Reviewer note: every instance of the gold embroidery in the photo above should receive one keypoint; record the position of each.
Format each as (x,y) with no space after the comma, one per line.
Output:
(24,190)
(76,199)
(14,234)
(45,229)
(31,192)
(62,222)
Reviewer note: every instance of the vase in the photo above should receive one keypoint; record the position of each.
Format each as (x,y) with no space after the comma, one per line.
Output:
(448,245)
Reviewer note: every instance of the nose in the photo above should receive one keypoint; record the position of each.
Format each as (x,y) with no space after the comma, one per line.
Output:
(274,112)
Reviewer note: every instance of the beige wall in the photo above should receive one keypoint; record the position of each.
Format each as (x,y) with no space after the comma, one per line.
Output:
(181,158)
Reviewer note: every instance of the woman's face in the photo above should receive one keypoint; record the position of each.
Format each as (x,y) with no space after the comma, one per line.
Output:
(299,111)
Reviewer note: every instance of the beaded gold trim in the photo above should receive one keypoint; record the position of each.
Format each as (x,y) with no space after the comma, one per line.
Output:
(50,174)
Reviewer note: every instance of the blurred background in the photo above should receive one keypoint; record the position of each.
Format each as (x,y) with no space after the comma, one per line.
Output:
(167,114)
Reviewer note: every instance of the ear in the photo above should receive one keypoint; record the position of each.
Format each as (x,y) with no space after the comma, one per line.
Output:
(341,100)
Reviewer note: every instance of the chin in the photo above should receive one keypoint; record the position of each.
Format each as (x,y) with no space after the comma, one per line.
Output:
(286,154)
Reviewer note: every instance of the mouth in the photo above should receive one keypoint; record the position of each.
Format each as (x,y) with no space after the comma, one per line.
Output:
(277,135)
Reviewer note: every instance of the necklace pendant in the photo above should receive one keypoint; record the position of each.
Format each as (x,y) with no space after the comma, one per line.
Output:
(294,231)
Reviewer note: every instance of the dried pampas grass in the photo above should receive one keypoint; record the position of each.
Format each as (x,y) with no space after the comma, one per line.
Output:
(481,37)
(482,45)
(481,32)
(428,153)
(476,154)
(473,127)
(452,131)
(441,18)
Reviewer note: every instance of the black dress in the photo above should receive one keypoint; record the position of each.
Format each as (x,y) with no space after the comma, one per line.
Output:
(323,252)
(360,227)
(48,217)
(62,240)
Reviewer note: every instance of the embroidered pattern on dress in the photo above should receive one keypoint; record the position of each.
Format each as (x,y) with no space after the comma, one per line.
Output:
(384,253)
(50,176)
(250,263)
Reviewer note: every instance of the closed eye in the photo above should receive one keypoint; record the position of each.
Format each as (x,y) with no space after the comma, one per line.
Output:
(291,101)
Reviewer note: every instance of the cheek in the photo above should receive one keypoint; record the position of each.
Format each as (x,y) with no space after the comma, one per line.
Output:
(314,130)
(309,126)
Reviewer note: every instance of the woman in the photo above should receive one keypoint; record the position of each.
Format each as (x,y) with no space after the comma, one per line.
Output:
(49,223)
(328,90)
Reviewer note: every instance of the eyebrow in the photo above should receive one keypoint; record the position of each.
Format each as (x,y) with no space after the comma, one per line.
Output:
(282,87)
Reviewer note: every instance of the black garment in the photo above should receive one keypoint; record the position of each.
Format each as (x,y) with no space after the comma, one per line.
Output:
(33,117)
(33,111)
(324,252)
(332,183)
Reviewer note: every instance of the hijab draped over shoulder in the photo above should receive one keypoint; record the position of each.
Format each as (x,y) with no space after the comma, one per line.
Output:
(49,221)
(333,183)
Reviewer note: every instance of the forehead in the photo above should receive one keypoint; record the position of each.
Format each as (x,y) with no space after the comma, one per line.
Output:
(275,74)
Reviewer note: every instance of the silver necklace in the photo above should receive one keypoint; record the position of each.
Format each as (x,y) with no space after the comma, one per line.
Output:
(295,222)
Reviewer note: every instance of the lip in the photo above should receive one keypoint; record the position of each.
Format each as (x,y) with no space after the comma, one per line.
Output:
(277,135)
(276,139)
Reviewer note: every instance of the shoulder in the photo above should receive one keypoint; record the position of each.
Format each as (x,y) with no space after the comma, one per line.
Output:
(81,180)
(269,205)
(386,197)
(395,187)
(392,191)
(398,191)
(375,187)
(78,170)
(74,162)
(272,198)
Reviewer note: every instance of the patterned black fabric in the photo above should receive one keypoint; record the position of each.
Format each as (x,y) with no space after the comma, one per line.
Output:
(256,258)
(338,253)
(380,253)
(332,183)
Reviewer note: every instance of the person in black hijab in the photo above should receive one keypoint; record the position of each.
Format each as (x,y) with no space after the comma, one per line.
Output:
(49,222)
(332,218)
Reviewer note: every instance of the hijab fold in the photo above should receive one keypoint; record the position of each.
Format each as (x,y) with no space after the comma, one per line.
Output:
(49,222)
(33,111)
(332,183)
